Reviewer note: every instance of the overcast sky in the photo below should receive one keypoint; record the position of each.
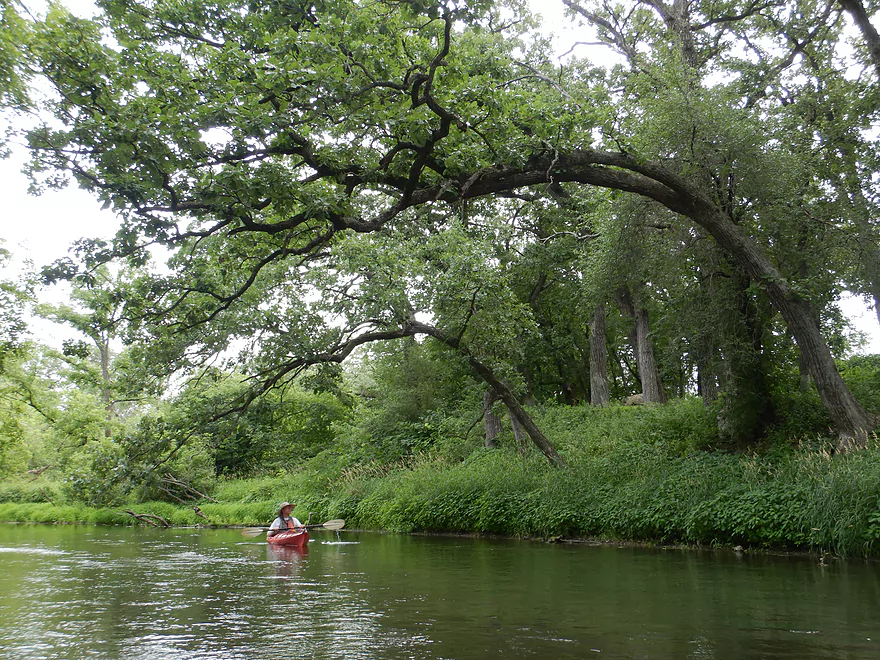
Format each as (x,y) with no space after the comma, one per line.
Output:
(42,229)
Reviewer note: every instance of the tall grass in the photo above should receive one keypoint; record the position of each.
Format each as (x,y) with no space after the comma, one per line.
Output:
(801,500)
(639,474)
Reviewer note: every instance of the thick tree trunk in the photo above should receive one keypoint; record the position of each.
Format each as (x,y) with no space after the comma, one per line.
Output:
(746,409)
(599,393)
(707,384)
(705,339)
(651,386)
(643,348)
(491,421)
(851,421)
(869,32)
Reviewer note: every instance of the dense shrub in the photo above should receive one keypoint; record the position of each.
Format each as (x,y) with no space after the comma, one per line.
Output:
(638,491)
(862,375)
(31,490)
(640,473)
(683,425)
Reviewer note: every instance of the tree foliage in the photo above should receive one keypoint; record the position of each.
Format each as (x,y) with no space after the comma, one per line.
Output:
(331,174)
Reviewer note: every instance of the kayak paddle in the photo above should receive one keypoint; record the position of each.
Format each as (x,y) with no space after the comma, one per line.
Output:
(338,523)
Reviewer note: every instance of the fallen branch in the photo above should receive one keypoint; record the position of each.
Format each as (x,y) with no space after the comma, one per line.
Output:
(149,518)
(188,490)
(199,513)
(170,494)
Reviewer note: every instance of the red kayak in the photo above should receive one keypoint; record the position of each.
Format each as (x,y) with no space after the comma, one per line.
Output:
(298,539)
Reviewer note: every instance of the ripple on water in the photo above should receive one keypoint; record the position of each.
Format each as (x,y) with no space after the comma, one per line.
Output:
(34,550)
(340,542)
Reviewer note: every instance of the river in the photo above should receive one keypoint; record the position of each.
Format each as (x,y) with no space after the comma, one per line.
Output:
(100,592)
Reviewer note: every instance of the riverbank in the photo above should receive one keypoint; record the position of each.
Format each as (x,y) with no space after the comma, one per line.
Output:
(802,499)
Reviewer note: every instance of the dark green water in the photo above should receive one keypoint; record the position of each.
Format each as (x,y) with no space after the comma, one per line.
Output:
(88,592)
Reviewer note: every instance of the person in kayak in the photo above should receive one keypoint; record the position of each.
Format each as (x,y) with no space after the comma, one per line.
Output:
(284,522)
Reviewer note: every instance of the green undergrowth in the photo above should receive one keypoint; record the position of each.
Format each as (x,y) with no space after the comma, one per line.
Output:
(647,474)
(216,514)
(805,500)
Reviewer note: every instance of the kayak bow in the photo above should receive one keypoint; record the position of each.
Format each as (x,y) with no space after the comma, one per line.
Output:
(290,538)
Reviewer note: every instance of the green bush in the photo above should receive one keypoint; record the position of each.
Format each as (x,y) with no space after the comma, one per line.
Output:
(31,490)
(862,375)
(639,473)
(682,426)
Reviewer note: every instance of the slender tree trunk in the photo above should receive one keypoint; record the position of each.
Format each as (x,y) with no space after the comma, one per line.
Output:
(599,393)
(106,393)
(491,421)
(519,434)
(504,392)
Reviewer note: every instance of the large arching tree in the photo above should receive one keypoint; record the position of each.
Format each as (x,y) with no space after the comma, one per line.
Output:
(252,137)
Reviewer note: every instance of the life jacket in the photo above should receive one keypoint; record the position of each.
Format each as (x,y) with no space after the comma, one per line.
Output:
(286,525)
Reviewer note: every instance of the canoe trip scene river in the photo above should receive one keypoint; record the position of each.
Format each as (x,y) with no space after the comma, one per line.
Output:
(555,322)
(110,592)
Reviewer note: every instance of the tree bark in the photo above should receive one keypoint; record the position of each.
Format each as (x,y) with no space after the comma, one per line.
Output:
(707,383)
(652,388)
(863,21)
(519,434)
(491,421)
(599,393)
(804,379)
(643,347)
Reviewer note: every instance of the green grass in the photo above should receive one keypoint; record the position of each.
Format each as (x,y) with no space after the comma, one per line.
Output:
(638,474)
(256,513)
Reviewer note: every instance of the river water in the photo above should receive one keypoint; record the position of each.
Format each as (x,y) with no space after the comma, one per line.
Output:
(96,592)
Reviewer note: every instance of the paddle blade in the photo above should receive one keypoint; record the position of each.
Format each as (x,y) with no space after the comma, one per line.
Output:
(251,532)
(338,523)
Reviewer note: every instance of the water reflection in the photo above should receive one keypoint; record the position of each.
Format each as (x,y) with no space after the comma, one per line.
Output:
(287,561)
(179,594)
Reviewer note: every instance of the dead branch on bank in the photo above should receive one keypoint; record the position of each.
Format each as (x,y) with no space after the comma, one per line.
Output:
(184,489)
(149,518)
